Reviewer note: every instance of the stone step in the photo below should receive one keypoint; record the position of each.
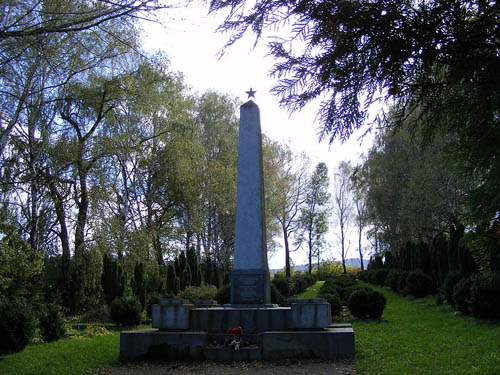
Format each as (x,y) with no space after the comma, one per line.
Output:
(225,354)
(248,339)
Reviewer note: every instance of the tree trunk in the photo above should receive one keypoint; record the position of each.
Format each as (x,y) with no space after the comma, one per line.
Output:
(287,254)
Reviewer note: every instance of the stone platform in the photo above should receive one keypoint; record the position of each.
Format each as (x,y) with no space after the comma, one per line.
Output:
(183,332)
(333,343)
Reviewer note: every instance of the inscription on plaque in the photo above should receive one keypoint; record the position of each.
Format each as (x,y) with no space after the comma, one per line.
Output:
(249,289)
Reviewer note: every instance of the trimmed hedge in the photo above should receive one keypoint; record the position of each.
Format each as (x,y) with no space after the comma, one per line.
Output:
(450,281)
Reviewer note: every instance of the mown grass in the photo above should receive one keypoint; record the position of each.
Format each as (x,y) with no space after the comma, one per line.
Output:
(312,291)
(71,356)
(415,337)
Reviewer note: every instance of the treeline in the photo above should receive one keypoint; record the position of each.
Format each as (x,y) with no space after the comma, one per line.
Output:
(427,234)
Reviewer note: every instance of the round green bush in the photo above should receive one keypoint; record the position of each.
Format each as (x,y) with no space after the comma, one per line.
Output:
(223,294)
(17,325)
(126,310)
(335,303)
(154,299)
(204,292)
(380,276)
(393,278)
(348,291)
(450,281)
(276,296)
(485,297)
(282,283)
(364,303)
(52,323)
(418,284)
(97,314)
(461,295)
(402,282)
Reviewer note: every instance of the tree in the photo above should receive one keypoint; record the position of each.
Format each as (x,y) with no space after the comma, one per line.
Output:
(359,189)
(314,213)
(342,206)
(436,59)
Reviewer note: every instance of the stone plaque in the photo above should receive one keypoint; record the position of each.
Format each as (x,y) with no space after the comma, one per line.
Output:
(248,288)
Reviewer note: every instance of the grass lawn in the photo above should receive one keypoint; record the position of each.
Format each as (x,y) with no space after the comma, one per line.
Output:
(312,291)
(415,337)
(73,355)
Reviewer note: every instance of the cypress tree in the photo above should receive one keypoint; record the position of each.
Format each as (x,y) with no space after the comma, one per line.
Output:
(139,284)
(171,277)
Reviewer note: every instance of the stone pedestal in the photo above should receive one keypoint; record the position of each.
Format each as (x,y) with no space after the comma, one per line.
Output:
(171,314)
(250,287)
(310,313)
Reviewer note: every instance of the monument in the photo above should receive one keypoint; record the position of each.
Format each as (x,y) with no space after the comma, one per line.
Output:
(250,276)
(197,330)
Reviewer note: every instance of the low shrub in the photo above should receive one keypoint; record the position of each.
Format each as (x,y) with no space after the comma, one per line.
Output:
(204,292)
(379,276)
(348,291)
(126,310)
(17,325)
(335,302)
(450,281)
(365,303)
(97,314)
(364,276)
(461,295)
(283,284)
(154,299)
(223,294)
(402,282)
(276,296)
(418,284)
(393,279)
(485,297)
(51,323)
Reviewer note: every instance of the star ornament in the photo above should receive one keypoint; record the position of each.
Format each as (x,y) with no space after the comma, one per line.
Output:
(250,93)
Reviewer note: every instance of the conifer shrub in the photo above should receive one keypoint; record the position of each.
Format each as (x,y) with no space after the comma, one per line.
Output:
(276,296)
(335,302)
(418,284)
(366,303)
(204,292)
(350,290)
(17,325)
(393,279)
(223,294)
(379,276)
(154,299)
(485,297)
(402,282)
(363,276)
(97,314)
(51,323)
(461,295)
(282,283)
(450,281)
(126,311)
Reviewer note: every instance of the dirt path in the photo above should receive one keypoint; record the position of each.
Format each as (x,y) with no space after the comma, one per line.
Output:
(289,367)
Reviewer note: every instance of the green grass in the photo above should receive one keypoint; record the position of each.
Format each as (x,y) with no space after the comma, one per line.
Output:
(73,355)
(415,337)
(312,291)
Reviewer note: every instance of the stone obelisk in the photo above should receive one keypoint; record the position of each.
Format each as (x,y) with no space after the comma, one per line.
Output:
(250,276)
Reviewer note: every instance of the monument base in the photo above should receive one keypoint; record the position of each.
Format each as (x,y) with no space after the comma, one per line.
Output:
(250,287)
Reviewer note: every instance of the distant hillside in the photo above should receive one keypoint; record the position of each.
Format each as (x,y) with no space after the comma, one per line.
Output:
(353,262)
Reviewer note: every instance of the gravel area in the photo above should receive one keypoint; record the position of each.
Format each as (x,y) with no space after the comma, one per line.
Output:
(290,367)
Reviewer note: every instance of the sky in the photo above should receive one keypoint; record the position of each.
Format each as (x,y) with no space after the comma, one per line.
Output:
(188,37)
